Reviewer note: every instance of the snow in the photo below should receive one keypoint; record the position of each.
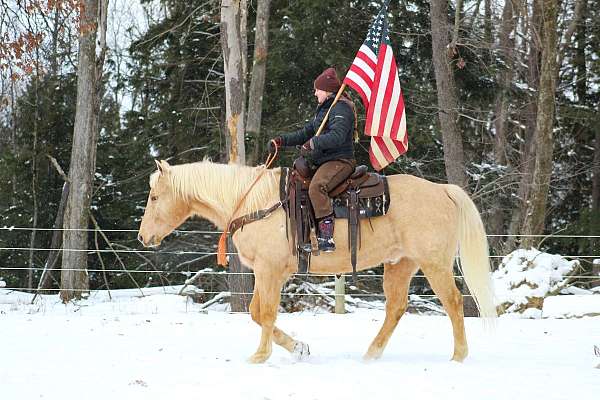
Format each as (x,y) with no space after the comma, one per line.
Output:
(525,275)
(522,85)
(163,346)
(571,306)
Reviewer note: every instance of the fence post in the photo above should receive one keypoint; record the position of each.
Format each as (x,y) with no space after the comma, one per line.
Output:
(340,287)
(596,272)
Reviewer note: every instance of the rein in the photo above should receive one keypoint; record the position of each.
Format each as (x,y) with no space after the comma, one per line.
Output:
(231,227)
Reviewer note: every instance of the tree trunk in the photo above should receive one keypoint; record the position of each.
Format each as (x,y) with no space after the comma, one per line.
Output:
(536,210)
(74,278)
(257,84)
(579,59)
(487,27)
(457,19)
(496,219)
(527,150)
(232,41)
(505,77)
(240,281)
(446,93)
(34,177)
(244,36)
(595,212)
(56,243)
(13,137)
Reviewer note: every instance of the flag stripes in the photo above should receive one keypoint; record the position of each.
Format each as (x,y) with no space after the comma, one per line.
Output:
(374,76)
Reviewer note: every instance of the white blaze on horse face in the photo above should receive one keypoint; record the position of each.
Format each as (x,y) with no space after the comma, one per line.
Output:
(163,211)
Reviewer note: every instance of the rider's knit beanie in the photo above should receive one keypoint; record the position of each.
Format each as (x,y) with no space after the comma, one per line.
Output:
(328,81)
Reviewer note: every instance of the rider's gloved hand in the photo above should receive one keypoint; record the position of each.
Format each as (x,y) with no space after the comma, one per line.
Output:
(275,143)
(307,148)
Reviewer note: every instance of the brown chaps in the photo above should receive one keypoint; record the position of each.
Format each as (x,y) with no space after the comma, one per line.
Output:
(328,176)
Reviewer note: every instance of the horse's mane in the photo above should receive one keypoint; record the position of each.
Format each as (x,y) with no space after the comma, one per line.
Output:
(220,186)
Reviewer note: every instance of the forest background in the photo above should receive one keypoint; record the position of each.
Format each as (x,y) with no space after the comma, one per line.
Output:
(501,98)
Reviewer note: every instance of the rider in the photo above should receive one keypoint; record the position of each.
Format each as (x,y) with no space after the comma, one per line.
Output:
(331,153)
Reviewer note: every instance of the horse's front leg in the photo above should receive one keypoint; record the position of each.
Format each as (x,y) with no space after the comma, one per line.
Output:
(299,349)
(267,286)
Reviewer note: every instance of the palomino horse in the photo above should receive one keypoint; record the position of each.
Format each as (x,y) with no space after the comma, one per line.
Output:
(425,226)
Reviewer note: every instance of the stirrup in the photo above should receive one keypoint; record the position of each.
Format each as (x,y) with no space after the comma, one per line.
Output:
(326,245)
(306,247)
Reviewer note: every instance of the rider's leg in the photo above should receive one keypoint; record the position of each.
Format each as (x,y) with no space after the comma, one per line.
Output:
(326,178)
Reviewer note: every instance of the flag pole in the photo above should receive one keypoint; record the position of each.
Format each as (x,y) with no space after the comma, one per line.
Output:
(337,97)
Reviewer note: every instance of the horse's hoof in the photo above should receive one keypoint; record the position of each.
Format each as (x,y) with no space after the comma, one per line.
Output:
(458,357)
(373,354)
(258,358)
(301,351)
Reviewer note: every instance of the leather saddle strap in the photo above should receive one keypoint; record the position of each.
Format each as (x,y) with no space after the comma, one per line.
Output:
(304,227)
(284,196)
(300,224)
(353,228)
(239,222)
(292,212)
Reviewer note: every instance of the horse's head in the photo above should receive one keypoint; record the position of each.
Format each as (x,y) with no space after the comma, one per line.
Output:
(165,211)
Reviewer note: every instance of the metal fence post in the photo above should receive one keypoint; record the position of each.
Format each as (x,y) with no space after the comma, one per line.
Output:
(340,294)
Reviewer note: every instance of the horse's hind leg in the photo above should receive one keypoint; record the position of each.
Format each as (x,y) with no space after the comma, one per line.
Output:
(441,279)
(396,280)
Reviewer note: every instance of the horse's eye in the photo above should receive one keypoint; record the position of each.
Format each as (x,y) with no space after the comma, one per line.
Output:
(154,198)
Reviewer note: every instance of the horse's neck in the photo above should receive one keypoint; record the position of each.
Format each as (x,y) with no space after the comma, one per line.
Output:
(227,191)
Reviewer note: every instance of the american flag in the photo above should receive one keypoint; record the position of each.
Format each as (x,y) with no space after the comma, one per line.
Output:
(374,75)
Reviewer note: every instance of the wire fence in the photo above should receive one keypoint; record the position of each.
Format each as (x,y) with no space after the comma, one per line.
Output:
(229,273)
(250,293)
(203,272)
(180,252)
(23,228)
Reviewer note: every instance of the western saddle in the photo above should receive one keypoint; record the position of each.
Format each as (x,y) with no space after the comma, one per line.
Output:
(362,195)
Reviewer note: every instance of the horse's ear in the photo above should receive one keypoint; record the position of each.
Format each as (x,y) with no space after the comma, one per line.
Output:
(163,166)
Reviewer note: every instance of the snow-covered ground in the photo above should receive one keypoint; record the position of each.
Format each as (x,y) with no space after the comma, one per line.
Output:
(163,347)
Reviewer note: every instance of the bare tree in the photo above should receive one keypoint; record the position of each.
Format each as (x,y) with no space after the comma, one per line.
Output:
(25,26)
(235,98)
(257,84)
(536,209)
(446,93)
(506,49)
(533,46)
(579,23)
(233,43)
(74,279)
(595,212)
(487,22)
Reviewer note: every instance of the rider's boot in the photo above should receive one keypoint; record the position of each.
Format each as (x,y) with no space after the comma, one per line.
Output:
(325,237)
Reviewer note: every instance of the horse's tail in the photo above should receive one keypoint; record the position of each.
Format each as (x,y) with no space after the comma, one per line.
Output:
(474,253)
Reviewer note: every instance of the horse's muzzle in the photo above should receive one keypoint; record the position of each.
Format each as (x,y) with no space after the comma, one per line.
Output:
(148,243)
